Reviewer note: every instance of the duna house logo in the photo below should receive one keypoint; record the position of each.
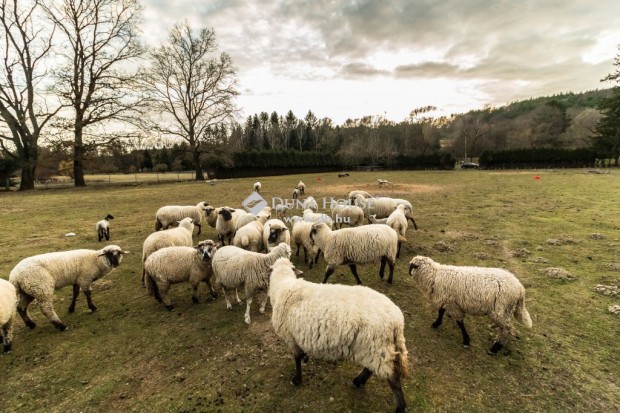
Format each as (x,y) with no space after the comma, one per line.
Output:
(254,203)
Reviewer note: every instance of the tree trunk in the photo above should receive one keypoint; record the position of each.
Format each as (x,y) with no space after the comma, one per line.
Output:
(197,167)
(78,156)
(27,180)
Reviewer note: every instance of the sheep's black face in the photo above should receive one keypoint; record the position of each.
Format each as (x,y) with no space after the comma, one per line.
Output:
(109,217)
(274,234)
(226,214)
(312,234)
(207,251)
(114,258)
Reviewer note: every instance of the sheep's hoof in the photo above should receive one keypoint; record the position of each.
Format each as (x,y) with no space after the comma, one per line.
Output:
(247,320)
(261,310)
(305,359)
(92,308)
(31,324)
(7,347)
(436,325)
(72,309)
(59,325)
(494,349)
(296,380)
(170,307)
(466,346)
(228,307)
(194,300)
(357,383)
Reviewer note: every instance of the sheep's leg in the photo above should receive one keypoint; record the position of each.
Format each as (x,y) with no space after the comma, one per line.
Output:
(299,356)
(211,290)
(228,304)
(248,303)
(354,271)
(199,227)
(263,304)
(163,288)
(7,335)
(504,331)
(362,378)
(195,293)
(398,249)
(440,314)
(382,268)
(89,299)
(318,254)
(297,253)
(414,224)
(397,391)
(22,309)
(76,292)
(99,235)
(464,333)
(391,265)
(237,296)
(107,235)
(328,271)
(47,308)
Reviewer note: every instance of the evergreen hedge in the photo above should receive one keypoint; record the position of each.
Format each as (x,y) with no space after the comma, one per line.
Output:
(538,158)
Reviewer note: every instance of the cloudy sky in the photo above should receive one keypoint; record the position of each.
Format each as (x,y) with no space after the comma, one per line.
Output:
(350,58)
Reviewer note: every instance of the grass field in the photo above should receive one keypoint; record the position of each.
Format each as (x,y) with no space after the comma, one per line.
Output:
(133,355)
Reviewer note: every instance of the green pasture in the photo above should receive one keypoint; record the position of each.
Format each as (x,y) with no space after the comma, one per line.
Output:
(132,355)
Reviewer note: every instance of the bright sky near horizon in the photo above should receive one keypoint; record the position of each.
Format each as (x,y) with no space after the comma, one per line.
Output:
(351,58)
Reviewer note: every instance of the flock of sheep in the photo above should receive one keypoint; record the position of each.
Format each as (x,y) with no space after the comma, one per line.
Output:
(326,321)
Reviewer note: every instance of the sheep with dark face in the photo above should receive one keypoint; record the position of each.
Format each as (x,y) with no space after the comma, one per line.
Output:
(257,187)
(103,228)
(226,224)
(37,277)
(275,232)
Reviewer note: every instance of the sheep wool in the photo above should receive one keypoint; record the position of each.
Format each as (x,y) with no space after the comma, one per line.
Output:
(275,232)
(310,203)
(234,267)
(338,322)
(174,265)
(103,228)
(170,215)
(180,236)
(38,276)
(351,215)
(472,290)
(226,224)
(398,222)
(310,216)
(250,236)
(356,245)
(8,305)
(302,188)
(257,187)
(300,236)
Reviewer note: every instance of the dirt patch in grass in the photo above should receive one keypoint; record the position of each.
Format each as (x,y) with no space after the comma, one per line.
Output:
(390,190)
(559,273)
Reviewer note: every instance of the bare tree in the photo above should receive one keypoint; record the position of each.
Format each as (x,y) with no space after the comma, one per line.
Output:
(191,87)
(24,111)
(98,76)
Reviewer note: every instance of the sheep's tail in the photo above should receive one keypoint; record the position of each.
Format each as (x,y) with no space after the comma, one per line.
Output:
(245,242)
(401,238)
(151,286)
(402,362)
(158,225)
(521,313)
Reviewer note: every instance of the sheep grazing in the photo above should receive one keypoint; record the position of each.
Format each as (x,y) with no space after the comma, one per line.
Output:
(310,203)
(339,322)
(300,236)
(275,232)
(302,188)
(236,268)
(347,214)
(408,210)
(174,237)
(342,174)
(398,222)
(356,245)
(8,305)
(167,216)
(383,181)
(382,207)
(174,265)
(250,236)
(257,187)
(38,276)
(103,228)
(226,224)
(295,193)
(472,290)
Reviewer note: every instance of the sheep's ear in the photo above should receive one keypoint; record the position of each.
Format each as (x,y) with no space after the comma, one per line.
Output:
(217,245)
(101,254)
(124,252)
(297,272)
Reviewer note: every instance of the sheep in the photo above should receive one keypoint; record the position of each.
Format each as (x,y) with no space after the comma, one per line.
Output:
(383,181)
(38,276)
(302,188)
(226,224)
(356,245)
(257,187)
(382,207)
(173,265)
(347,214)
(250,236)
(339,322)
(281,210)
(295,193)
(472,290)
(103,228)
(275,232)
(310,216)
(409,210)
(353,194)
(234,267)
(398,222)
(300,236)
(310,203)
(374,220)
(342,174)
(173,237)
(171,214)
(243,218)
(211,215)
(8,306)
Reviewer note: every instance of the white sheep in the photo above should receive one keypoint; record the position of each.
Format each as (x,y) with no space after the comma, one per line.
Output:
(353,195)
(38,276)
(383,181)
(310,216)
(174,265)
(173,237)
(243,218)
(257,187)
(235,268)
(398,222)
(339,322)
(356,245)
(169,215)
(351,215)
(382,207)
(472,290)
(275,232)
(250,236)
(310,203)
(103,228)
(374,220)
(8,306)
(295,193)
(226,224)
(211,215)
(300,236)
(281,210)
(302,188)
(408,210)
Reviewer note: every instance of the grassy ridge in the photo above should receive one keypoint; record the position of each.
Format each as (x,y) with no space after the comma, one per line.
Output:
(134,355)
